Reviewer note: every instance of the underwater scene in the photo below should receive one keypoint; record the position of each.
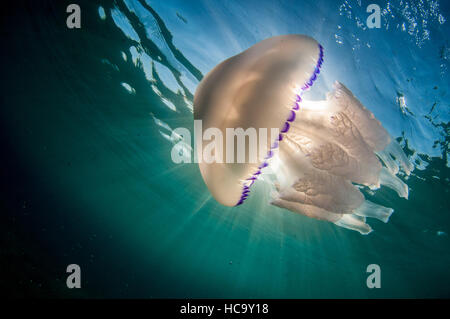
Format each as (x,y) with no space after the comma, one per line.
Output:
(100,165)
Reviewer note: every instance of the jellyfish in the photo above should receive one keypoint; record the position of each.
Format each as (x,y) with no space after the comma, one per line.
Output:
(322,152)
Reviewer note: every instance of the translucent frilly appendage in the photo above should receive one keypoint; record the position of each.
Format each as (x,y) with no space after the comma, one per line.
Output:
(390,163)
(393,182)
(394,149)
(307,210)
(354,222)
(331,145)
(369,209)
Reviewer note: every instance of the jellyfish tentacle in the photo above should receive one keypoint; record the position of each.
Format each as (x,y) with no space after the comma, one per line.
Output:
(304,184)
(325,150)
(395,150)
(373,133)
(348,135)
(328,156)
(393,182)
(354,222)
(369,209)
(349,221)
(330,166)
(306,210)
(332,193)
(386,158)
(338,129)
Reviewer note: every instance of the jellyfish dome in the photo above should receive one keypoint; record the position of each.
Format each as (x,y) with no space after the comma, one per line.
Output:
(316,154)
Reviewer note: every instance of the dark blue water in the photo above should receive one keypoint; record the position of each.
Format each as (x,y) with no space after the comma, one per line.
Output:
(86,120)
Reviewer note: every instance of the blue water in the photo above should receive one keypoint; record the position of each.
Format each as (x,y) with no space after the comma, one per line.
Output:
(88,114)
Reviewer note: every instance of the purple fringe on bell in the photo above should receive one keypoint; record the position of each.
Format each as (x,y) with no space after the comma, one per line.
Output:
(285,129)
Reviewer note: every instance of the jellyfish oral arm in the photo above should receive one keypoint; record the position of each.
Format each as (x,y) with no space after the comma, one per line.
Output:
(333,146)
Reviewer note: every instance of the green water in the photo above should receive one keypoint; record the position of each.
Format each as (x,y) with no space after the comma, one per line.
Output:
(88,179)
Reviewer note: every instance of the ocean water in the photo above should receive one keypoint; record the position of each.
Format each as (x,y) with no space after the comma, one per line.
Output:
(87,176)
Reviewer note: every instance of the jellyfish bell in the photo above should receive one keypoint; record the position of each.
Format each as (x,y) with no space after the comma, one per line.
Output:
(320,150)
(247,91)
